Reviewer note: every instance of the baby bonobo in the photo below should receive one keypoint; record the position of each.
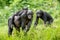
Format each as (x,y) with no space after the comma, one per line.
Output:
(44,16)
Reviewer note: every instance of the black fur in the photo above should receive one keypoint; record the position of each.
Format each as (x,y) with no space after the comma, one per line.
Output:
(44,16)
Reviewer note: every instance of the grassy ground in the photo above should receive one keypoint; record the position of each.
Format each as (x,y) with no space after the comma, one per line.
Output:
(41,32)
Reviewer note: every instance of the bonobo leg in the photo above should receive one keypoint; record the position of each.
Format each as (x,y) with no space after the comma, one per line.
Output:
(18,29)
(23,24)
(10,26)
(36,22)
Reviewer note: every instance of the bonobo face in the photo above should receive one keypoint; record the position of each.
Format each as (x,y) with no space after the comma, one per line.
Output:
(29,14)
(39,13)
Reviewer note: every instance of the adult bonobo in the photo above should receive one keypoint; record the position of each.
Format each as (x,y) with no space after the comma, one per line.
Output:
(27,20)
(44,16)
(15,20)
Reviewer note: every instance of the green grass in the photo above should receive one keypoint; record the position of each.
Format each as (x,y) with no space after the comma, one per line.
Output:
(41,32)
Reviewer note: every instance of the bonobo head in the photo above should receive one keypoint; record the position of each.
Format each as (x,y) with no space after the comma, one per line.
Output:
(25,8)
(30,14)
(39,13)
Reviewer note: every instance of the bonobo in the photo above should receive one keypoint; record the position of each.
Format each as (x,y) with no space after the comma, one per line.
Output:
(44,16)
(15,20)
(27,20)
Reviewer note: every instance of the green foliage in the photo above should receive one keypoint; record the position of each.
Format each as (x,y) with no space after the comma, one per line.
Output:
(5,3)
(50,32)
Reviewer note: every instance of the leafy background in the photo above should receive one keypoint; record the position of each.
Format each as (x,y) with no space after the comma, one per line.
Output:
(51,32)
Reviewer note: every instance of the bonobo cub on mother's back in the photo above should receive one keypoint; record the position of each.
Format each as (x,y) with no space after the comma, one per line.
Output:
(44,16)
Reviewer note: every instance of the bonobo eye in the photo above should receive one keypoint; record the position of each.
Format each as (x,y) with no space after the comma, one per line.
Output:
(29,16)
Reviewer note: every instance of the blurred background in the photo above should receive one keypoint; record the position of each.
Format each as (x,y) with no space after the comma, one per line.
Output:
(9,7)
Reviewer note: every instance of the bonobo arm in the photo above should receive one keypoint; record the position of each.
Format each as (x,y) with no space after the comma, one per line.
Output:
(44,19)
(36,22)
(19,13)
(10,26)
(24,14)
(28,25)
